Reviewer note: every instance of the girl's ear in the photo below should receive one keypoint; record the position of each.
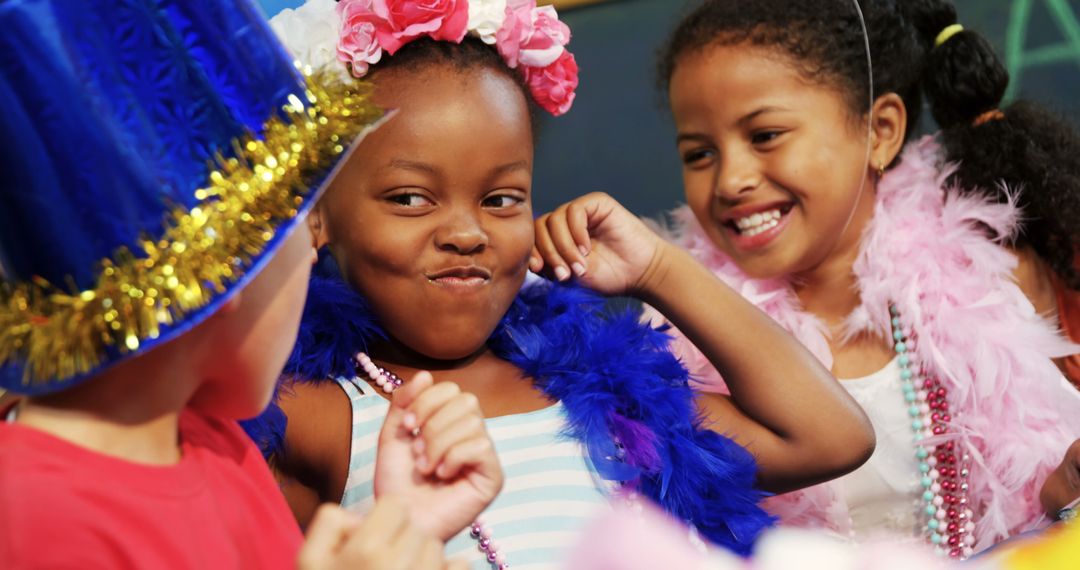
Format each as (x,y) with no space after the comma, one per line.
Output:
(316,222)
(888,127)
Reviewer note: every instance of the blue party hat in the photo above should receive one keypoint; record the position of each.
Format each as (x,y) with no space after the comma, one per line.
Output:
(155,153)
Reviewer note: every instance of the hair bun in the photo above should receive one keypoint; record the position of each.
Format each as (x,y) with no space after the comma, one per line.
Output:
(963,79)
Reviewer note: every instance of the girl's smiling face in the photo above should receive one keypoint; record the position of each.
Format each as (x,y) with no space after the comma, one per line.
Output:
(431,218)
(774,164)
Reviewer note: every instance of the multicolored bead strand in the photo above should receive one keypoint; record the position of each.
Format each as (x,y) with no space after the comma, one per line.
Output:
(943,475)
(388,382)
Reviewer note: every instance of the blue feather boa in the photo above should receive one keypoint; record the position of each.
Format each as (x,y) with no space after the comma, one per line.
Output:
(627,398)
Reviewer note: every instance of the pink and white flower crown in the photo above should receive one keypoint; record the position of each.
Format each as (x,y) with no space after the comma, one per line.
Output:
(525,35)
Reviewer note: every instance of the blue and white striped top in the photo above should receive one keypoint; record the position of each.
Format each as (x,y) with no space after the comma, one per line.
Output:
(551,490)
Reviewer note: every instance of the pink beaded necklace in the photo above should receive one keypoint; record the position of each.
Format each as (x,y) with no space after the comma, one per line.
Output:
(480,532)
(943,467)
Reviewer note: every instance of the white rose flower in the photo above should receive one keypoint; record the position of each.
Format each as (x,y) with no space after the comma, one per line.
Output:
(485,18)
(310,33)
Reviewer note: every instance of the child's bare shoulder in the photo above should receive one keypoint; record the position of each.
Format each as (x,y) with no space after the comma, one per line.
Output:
(319,428)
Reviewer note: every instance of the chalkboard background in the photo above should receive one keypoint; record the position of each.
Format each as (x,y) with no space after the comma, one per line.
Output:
(618,138)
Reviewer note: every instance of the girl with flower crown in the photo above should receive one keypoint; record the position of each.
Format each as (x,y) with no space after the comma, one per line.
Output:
(428,236)
(890,276)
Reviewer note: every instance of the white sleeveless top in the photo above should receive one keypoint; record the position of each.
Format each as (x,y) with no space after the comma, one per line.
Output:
(551,490)
(883,495)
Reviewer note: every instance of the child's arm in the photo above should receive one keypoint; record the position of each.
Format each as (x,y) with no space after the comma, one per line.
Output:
(784,406)
(1063,485)
(313,464)
(386,539)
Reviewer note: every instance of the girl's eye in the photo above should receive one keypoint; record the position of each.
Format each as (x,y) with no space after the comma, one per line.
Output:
(410,200)
(764,137)
(698,158)
(502,201)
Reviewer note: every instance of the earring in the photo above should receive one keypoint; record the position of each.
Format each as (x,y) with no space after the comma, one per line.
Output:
(880,171)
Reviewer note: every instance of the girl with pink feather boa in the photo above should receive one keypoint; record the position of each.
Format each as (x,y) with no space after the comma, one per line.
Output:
(804,194)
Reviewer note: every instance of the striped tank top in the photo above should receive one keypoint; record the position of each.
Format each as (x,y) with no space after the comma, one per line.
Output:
(551,490)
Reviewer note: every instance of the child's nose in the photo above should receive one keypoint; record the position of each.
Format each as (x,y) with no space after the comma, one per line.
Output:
(462,233)
(736,177)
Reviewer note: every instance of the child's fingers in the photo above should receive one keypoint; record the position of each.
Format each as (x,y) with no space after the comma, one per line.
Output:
(367,546)
(386,520)
(452,411)
(562,237)
(429,401)
(430,555)
(548,252)
(457,565)
(328,530)
(436,445)
(578,219)
(477,453)
(403,551)
(536,261)
(463,409)
(405,395)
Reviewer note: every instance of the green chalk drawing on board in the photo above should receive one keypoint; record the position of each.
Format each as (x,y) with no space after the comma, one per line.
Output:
(1017,59)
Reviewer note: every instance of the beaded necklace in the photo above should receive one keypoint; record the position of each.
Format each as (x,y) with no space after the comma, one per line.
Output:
(480,532)
(943,467)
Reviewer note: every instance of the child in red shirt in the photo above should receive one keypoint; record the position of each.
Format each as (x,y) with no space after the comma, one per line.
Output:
(159,161)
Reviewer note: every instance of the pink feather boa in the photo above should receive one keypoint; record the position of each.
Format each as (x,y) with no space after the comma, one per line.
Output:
(926,251)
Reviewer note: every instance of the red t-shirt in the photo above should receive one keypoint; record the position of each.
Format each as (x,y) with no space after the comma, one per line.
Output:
(64,506)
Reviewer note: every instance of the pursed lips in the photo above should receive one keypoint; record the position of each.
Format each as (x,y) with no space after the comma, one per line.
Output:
(460,277)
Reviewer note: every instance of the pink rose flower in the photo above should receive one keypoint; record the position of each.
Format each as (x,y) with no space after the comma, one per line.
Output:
(515,27)
(531,36)
(553,87)
(545,44)
(357,42)
(406,20)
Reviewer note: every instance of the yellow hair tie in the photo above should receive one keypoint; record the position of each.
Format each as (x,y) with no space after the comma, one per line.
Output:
(947,33)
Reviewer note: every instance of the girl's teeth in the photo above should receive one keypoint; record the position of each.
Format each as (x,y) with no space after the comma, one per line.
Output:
(762,228)
(757,223)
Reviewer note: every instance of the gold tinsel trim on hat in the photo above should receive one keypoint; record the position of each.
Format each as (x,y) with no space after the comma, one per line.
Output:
(58,334)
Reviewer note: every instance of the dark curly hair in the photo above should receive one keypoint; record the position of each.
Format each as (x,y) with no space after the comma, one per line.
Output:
(824,38)
(470,54)
(1030,150)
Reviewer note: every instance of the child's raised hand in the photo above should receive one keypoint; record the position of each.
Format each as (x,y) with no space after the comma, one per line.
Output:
(448,472)
(595,239)
(386,539)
